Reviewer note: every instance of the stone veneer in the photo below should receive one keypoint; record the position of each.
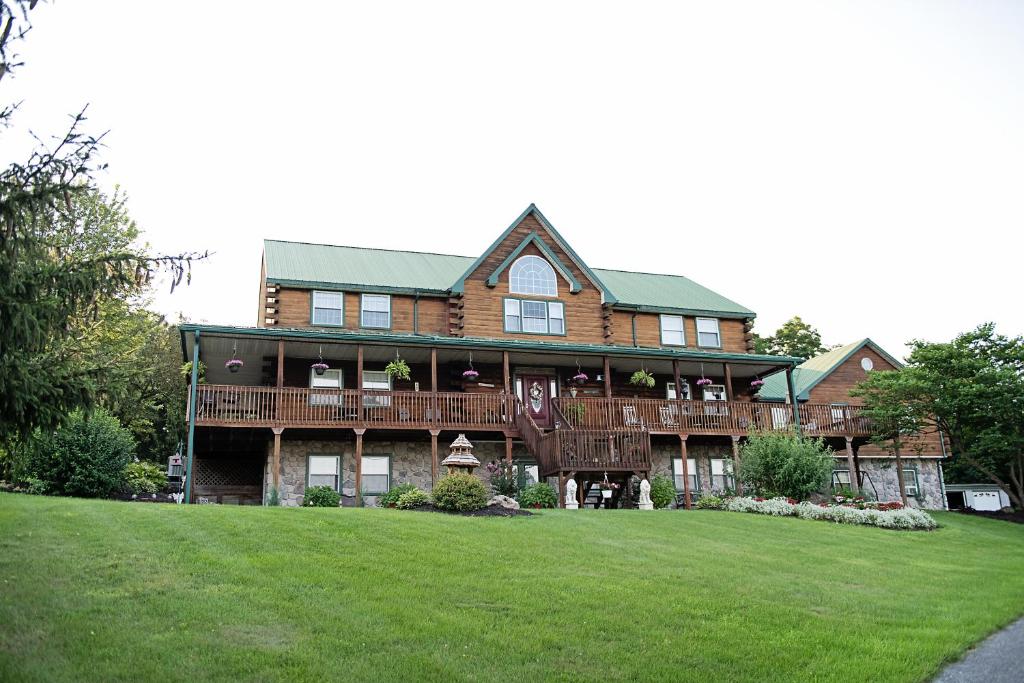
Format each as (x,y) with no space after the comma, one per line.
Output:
(410,464)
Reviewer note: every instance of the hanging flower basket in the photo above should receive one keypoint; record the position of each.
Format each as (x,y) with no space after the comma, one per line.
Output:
(642,378)
(607,488)
(320,368)
(470,375)
(704,382)
(234,365)
(606,493)
(397,369)
(757,384)
(580,378)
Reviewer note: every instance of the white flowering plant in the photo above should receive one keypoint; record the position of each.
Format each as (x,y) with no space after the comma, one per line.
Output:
(906,518)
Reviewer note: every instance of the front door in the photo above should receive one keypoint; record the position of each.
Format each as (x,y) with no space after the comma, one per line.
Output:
(536,396)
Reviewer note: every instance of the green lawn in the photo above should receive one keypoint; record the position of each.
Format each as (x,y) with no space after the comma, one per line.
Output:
(97,590)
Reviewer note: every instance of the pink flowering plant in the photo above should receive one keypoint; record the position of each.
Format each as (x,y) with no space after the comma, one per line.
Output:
(471,375)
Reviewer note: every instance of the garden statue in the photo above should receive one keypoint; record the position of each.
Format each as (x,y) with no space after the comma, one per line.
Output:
(570,495)
(645,495)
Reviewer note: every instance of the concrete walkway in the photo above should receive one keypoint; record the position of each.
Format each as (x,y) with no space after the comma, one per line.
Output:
(997,659)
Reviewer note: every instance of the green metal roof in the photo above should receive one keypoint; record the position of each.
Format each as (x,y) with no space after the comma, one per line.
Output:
(808,374)
(324,265)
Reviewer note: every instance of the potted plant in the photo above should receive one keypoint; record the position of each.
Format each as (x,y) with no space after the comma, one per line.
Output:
(579,379)
(642,378)
(397,369)
(470,375)
(757,383)
(186,372)
(703,382)
(234,365)
(575,412)
(607,488)
(320,367)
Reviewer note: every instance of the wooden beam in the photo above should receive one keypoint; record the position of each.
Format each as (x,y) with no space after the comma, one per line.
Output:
(280,363)
(359,466)
(360,408)
(276,466)
(679,388)
(433,370)
(508,449)
(607,377)
(687,498)
(506,379)
(736,464)
(561,489)
(728,381)
(852,466)
(433,456)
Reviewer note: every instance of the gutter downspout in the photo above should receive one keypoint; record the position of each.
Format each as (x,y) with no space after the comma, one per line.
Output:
(192,418)
(634,330)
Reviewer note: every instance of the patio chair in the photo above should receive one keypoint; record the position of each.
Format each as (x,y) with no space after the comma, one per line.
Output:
(630,417)
(669,417)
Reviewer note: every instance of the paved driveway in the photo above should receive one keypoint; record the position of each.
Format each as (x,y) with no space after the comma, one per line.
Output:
(997,659)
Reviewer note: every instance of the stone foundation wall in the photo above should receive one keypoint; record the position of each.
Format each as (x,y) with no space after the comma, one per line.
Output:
(882,473)
(703,453)
(410,464)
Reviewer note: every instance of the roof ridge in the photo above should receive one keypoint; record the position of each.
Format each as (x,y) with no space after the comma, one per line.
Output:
(352,246)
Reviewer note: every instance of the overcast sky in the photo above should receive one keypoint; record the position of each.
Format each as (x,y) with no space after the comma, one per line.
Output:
(858,164)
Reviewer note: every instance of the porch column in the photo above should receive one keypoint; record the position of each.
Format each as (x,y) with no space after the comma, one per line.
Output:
(280,378)
(359,466)
(792,397)
(360,408)
(276,466)
(687,503)
(192,399)
(433,456)
(678,381)
(607,377)
(728,381)
(505,376)
(508,449)
(581,495)
(736,465)
(433,371)
(561,489)
(851,465)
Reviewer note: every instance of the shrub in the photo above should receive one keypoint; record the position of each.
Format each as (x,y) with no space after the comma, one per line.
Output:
(785,464)
(144,477)
(663,491)
(321,497)
(84,457)
(709,503)
(390,499)
(460,492)
(412,499)
(503,478)
(36,487)
(840,514)
(539,495)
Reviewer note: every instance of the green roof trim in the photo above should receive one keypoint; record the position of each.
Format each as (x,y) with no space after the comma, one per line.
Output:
(813,371)
(534,238)
(406,339)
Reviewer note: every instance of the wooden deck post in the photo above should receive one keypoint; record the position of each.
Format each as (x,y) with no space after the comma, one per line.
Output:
(508,449)
(433,456)
(792,397)
(728,381)
(280,379)
(276,466)
(607,377)
(505,377)
(561,489)
(433,394)
(851,465)
(687,500)
(736,464)
(360,408)
(359,465)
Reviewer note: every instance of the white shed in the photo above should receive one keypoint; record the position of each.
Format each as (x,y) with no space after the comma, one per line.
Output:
(976,496)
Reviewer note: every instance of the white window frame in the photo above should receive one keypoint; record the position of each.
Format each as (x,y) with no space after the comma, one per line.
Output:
(337,470)
(837,479)
(375,400)
(532,286)
(691,473)
(725,474)
(670,390)
(911,485)
(717,332)
(321,382)
(553,311)
(314,308)
(681,331)
(367,459)
(363,310)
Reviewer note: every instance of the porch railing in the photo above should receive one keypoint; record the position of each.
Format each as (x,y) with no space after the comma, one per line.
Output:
(706,417)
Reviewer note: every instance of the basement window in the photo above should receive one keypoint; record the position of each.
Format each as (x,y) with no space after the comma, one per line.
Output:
(323,470)
(376,474)
(840,479)
(910,482)
(691,473)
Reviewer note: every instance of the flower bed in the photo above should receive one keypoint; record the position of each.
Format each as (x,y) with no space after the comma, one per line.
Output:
(884,516)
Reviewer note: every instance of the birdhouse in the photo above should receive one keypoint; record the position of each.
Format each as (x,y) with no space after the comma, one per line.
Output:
(461,456)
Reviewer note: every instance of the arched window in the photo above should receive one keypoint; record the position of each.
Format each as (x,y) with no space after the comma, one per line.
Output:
(532,275)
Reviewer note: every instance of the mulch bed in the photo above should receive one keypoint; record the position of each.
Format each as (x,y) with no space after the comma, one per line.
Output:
(1017,516)
(489,511)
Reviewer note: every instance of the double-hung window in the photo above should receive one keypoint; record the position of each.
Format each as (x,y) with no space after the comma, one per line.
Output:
(324,470)
(376,474)
(376,380)
(534,317)
(840,479)
(328,383)
(708,334)
(375,311)
(910,483)
(328,309)
(721,474)
(691,473)
(672,333)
